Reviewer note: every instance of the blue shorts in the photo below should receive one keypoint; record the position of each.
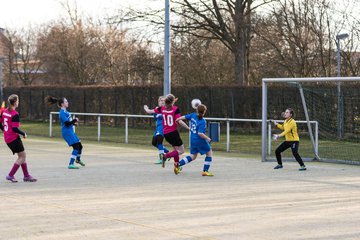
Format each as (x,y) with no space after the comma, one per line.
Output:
(201,148)
(157,133)
(70,138)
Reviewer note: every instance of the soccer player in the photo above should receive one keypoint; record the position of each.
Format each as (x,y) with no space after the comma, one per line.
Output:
(291,139)
(10,123)
(67,130)
(199,141)
(158,137)
(170,113)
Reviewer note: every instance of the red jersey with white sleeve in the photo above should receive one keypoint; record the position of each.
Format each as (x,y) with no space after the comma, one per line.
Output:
(10,119)
(169,118)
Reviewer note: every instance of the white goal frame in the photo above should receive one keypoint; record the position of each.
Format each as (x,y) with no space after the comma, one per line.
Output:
(265,81)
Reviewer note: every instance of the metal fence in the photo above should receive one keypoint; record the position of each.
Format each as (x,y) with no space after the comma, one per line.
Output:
(227,121)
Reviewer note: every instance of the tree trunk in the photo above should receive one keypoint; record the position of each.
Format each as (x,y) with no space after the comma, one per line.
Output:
(240,43)
(239,66)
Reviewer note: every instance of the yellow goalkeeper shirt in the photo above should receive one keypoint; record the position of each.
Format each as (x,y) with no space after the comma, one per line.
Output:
(290,130)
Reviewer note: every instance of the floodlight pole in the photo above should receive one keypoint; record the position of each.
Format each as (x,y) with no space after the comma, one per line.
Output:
(2,58)
(167,59)
(340,107)
(1,79)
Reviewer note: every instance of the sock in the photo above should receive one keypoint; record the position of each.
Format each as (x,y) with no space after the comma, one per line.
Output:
(185,160)
(14,170)
(176,158)
(161,148)
(25,169)
(73,156)
(78,155)
(207,164)
(172,154)
(72,160)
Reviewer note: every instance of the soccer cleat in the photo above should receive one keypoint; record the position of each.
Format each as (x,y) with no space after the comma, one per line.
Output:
(158,161)
(177,169)
(163,159)
(302,168)
(278,166)
(72,166)
(80,162)
(29,179)
(207,174)
(11,179)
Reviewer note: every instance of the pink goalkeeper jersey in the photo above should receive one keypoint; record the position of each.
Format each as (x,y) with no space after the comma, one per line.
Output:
(169,118)
(10,119)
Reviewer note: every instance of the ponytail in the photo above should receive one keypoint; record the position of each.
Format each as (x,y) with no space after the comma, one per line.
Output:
(50,100)
(12,99)
(170,100)
(201,109)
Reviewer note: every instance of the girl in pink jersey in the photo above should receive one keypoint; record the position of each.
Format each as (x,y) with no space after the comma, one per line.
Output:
(10,123)
(170,113)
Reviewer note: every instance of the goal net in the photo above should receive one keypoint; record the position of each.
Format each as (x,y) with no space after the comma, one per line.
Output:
(330,112)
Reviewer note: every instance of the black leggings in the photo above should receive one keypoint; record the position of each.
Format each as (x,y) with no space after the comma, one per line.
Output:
(294,145)
(77,146)
(157,139)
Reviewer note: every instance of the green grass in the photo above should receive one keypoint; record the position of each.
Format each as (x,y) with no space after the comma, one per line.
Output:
(249,144)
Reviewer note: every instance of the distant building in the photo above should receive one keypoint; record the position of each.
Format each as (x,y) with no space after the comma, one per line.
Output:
(17,72)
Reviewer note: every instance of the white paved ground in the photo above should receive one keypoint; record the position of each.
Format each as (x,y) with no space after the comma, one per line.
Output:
(121,194)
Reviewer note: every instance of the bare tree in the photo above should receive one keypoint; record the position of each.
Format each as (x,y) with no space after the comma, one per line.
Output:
(115,54)
(299,38)
(67,49)
(23,62)
(72,51)
(199,61)
(89,51)
(146,66)
(229,21)
(350,51)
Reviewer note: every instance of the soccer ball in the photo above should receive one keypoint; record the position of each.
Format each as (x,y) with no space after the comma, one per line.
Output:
(195,103)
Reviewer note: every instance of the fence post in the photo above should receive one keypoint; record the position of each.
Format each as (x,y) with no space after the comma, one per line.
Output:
(317,138)
(227,135)
(74,125)
(99,126)
(189,137)
(126,130)
(50,125)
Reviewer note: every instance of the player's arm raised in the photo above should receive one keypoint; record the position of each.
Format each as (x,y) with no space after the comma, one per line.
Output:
(148,110)
(182,118)
(181,122)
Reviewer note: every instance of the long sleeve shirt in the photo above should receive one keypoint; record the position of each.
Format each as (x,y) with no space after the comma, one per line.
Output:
(289,130)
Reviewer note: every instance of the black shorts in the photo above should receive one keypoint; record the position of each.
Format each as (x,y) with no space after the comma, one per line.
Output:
(16,146)
(174,139)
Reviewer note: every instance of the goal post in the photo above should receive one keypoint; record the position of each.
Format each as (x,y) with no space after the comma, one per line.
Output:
(316,155)
(313,97)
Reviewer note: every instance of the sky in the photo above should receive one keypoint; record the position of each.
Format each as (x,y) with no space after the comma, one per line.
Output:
(22,13)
